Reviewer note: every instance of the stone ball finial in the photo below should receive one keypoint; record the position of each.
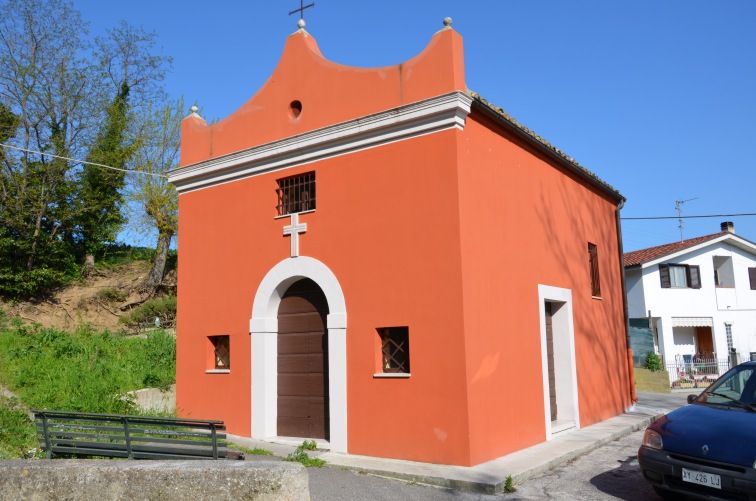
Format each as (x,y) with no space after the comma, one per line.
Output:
(301,24)
(194,108)
(447,21)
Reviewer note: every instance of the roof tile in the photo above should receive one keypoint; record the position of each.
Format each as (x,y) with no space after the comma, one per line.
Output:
(645,255)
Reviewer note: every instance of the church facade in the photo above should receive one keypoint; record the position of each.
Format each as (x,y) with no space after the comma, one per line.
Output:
(379,258)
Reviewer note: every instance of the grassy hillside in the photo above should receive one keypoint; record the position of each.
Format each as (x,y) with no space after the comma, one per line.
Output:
(86,370)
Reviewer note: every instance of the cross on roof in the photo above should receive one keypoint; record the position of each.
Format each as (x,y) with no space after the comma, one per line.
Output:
(293,230)
(301,8)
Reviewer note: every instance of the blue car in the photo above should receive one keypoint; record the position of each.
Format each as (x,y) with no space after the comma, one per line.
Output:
(706,450)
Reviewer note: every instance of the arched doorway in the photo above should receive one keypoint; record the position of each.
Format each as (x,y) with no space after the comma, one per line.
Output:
(303,403)
(263,327)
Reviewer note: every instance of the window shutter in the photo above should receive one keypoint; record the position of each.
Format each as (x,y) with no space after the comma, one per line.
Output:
(752,278)
(664,275)
(694,277)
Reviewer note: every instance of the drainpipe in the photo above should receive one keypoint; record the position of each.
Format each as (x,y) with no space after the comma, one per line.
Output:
(630,369)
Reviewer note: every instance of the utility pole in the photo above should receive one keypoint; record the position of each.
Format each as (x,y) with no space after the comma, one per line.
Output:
(678,208)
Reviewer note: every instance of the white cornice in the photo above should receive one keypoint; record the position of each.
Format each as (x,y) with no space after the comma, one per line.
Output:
(412,120)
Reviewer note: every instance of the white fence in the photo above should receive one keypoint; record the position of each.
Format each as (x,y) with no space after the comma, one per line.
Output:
(690,372)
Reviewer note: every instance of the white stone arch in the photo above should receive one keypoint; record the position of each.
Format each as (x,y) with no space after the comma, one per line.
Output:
(263,327)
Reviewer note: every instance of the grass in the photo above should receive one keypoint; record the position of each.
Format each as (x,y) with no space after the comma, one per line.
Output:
(253,452)
(84,371)
(300,456)
(17,434)
(509,485)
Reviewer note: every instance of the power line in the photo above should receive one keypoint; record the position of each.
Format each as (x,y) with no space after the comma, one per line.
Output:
(689,217)
(84,162)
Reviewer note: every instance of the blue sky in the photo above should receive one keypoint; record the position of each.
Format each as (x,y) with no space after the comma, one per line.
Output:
(657,97)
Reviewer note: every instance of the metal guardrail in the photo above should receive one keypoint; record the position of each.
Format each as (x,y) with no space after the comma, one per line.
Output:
(132,437)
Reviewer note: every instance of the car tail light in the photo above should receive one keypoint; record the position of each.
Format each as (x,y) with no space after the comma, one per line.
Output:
(653,440)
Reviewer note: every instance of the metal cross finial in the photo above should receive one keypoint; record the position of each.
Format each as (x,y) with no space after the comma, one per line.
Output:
(301,9)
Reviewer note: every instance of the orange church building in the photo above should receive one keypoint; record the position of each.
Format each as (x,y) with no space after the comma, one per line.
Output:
(381,259)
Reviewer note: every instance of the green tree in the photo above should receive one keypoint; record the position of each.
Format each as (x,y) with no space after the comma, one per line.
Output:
(59,86)
(153,196)
(126,63)
(43,81)
(100,217)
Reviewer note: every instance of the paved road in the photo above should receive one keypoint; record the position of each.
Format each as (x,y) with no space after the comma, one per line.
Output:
(608,473)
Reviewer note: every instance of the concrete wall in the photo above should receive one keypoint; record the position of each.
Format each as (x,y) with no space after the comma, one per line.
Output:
(103,480)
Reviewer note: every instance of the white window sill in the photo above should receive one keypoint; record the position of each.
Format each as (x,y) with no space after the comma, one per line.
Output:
(391,375)
(290,213)
(218,371)
(597,297)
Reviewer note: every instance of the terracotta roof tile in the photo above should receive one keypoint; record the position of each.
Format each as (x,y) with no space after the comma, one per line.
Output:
(645,255)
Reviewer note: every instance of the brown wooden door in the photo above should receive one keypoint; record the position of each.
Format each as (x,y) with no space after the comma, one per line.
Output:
(303,362)
(550,357)
(705,342)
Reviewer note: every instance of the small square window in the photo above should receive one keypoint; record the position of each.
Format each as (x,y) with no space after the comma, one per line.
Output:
(222,352)
(395,355)
(296,194)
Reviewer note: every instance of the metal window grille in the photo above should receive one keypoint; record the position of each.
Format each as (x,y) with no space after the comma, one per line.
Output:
(296,194)
(595,282)
(222,352)
(728,333)
(395,348)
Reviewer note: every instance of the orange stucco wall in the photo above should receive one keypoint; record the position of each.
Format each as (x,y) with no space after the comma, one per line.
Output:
(330,93)
(531,225)
(394,269)
(448,233)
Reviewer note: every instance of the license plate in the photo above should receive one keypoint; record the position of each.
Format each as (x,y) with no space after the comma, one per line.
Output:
(701,478)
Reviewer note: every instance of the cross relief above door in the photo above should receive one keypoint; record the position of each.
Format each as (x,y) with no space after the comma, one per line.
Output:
(293,230)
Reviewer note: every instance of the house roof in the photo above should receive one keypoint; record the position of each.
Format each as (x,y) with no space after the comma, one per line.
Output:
(645,255)
(539,141)
(658,253)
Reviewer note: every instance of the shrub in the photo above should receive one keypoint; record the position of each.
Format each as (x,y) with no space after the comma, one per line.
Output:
(163,307)
(653,363)
(110,295)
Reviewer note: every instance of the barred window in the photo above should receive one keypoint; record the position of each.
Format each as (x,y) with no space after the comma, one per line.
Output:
(593,259)
(728,335)
(221,347)
(395,349)
(296,194)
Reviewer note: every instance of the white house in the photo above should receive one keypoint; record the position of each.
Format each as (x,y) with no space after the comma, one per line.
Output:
(699,296)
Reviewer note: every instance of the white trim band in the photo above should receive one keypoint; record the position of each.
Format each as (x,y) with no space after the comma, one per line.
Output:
(423,117)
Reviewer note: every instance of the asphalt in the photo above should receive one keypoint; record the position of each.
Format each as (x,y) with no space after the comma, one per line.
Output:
(490,477)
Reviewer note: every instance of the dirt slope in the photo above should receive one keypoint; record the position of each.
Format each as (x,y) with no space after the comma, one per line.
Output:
(98,300)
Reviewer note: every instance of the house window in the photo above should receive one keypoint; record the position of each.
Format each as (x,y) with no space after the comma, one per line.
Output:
(728,333)
(593,259)
(221,352)
(723,273)
(680,276)
(296,194)
(395,356)
(752,278)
